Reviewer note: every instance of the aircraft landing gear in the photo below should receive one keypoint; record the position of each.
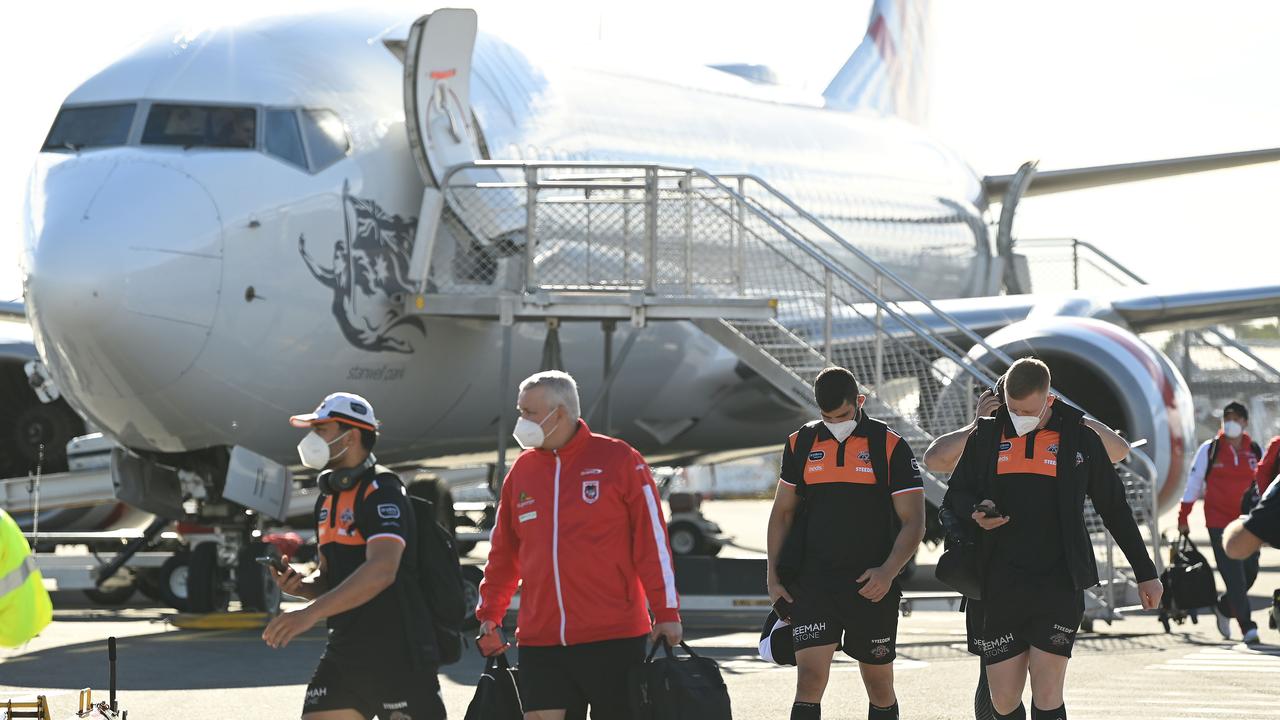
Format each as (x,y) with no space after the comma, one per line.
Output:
(258,592)
(207,580)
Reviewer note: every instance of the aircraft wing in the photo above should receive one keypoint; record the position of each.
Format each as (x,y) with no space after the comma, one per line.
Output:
(1141,309)
(1055,181)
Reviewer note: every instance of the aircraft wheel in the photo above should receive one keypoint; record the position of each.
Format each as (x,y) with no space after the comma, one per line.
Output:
(205,592)
(254,585)
(686,538)
(471,577)
(171,583)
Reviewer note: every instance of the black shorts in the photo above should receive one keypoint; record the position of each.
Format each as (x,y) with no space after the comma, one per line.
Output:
(867,630)
(1015,621)
(389,694)
(973,625)
(574,676)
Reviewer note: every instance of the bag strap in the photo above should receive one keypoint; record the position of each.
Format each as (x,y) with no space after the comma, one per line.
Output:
(1213,455)
(805,438)
(666,647)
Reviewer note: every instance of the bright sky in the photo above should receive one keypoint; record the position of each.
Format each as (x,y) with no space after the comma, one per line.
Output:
(1072,84)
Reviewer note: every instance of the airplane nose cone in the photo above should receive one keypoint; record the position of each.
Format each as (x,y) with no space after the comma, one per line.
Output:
(123,272)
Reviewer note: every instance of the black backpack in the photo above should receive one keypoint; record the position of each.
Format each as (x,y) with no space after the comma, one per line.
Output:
(678,688)
(436,577)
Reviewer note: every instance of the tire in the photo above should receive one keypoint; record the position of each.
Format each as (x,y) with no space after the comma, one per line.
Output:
(471,577)
(465,547)
(256,589)
(1086,624)
(205,593)
(149,584)
(713,549)
(171,582)
(685,539)
(52,425)
(115,596)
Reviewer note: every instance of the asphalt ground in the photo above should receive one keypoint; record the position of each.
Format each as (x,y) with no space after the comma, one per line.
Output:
(1130,669)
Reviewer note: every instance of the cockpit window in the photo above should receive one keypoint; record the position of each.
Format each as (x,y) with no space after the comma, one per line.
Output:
(201,126)
(326,137)
(93,126)
(282,137)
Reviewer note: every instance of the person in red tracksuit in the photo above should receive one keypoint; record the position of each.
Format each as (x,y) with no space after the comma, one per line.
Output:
(580,531)
(1234,464)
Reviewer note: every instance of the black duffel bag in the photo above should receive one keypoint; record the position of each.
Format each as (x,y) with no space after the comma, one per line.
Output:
(678,688)
(1188,581)
(957,568)
(497,693)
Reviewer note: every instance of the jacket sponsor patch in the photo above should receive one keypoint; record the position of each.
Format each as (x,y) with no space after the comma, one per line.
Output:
(817,455)
(591,471)
(1006,445)
(526,517)
(324,514)
(388,511)
(590,490)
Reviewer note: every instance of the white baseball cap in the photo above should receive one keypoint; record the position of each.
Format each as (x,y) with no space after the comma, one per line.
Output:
(343,407)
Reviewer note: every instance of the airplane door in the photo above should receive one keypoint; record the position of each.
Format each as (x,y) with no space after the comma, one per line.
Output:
(437,92)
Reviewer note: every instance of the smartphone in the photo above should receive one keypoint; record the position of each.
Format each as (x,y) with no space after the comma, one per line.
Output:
(990,511)
(273,562)
(783,607)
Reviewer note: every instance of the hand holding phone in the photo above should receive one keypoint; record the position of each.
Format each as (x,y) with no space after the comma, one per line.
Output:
(783,607)
(989,510)
(273,562)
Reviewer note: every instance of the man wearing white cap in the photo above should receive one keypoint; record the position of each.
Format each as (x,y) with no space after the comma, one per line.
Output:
(381,659)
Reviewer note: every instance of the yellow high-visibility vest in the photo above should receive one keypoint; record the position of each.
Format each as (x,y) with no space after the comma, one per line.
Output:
(25,608)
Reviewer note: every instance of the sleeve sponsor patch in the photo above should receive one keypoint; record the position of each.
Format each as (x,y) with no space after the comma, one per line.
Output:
(388,511)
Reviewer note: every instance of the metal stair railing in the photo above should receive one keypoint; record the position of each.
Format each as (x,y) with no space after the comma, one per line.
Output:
(1089,262)
(678,231)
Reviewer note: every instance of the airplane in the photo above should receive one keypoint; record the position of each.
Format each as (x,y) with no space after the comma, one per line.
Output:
(218,224)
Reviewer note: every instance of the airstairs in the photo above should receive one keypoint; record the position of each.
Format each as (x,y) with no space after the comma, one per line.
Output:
(728,253)
(639,243)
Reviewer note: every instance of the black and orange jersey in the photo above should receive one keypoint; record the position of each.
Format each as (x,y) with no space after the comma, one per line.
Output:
(850,519)
(374,631)
(1030,547)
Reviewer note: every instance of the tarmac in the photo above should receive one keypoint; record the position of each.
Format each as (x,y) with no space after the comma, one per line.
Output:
(1130,669)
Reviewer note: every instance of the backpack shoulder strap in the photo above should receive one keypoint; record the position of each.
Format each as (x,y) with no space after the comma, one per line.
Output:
(986,438)
(877,434)
(1213,455)
(805,437)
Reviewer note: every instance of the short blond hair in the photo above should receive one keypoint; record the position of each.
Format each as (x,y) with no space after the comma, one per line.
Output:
(1025,377)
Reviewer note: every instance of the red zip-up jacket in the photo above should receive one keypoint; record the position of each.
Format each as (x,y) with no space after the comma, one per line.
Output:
(1222,485)
(580,529)
(1269,467)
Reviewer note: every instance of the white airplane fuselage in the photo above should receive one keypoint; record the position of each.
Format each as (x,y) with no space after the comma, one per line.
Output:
(173,305)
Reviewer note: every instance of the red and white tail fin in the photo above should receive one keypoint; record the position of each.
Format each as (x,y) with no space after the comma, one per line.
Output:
(888,72)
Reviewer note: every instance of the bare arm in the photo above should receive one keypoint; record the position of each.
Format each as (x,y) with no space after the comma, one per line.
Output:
(375,574)
(785,502)
(944,452)
(1239,542)
(1117,447)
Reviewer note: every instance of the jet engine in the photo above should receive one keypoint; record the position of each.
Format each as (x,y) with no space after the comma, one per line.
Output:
(1118,378)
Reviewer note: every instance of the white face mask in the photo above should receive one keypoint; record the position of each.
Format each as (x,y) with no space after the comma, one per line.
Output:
(314,451)
(1232,429)
(842,430)
(1023,424)
(529,434)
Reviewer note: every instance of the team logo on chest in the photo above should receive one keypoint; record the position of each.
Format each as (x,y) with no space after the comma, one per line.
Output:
(864,456)
(590,491)
(1052,449)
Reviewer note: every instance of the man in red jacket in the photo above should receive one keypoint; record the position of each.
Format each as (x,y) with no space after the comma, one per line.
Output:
(1221,473)
(580,530)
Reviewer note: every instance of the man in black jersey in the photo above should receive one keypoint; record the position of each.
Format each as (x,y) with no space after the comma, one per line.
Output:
(381,658)
(1036,558)
(847,516)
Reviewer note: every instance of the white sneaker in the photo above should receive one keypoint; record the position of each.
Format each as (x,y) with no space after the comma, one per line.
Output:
(1251,637)
(1224,622)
